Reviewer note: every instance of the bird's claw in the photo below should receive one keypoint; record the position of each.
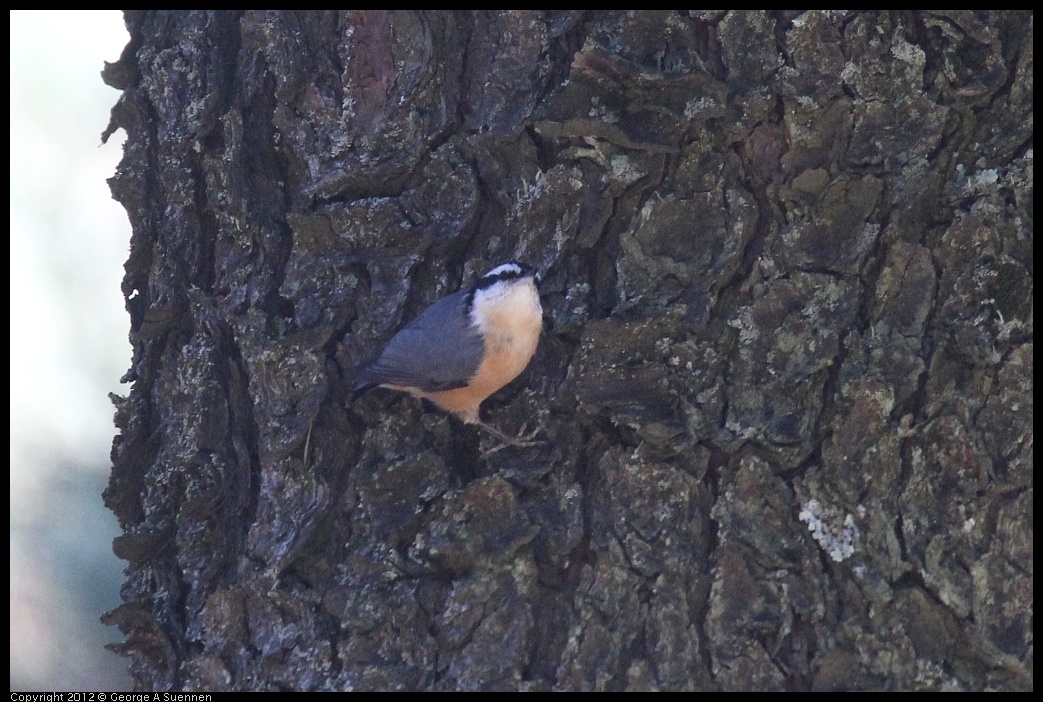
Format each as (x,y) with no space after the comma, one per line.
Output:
(521,440)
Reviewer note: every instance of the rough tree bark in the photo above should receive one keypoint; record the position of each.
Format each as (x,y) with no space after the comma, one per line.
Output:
(785,381)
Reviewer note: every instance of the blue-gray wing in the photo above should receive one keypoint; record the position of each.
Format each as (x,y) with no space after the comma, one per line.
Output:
(439,350)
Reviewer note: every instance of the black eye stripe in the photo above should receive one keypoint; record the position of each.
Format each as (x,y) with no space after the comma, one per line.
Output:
(487,281)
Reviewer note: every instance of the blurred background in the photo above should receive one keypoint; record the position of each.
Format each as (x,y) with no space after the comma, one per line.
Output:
(68,349)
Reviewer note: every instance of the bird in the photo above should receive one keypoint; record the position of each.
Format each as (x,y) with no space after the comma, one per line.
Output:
(465,346)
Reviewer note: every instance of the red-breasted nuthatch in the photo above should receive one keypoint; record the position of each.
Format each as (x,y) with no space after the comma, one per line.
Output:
(466,346)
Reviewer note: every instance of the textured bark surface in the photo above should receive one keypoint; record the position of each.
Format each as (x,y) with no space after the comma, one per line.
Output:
(785,380)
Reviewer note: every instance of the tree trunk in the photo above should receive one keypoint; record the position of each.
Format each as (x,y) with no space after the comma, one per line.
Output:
(785,381)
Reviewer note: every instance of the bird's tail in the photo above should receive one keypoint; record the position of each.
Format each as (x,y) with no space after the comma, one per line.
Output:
(361,386)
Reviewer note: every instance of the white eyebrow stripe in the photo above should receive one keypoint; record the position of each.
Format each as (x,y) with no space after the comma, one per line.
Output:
(503,268)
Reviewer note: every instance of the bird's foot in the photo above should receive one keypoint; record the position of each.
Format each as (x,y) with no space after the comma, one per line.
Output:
(521,440)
